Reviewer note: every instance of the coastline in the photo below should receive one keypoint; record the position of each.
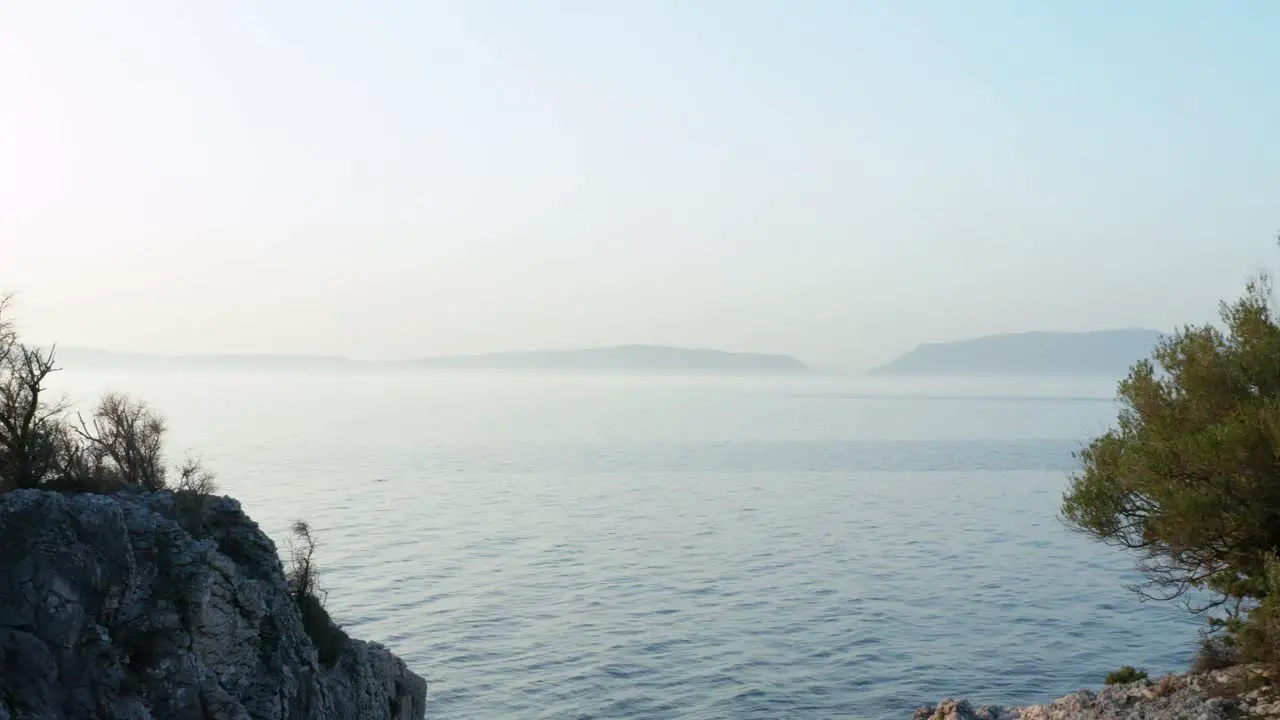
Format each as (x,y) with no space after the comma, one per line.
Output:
(1242,691)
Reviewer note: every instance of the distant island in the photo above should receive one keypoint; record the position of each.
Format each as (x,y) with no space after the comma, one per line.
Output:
(1105,352)
(619,359)
(646,358)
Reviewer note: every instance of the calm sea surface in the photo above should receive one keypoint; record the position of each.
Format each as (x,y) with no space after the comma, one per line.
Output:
(570,547)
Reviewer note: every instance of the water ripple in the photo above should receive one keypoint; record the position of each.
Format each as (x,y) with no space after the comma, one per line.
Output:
(686,550)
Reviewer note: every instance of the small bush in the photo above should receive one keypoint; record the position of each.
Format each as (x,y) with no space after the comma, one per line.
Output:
(327,636)
(1167,686)
(1215,654)
(1125,675)
(193,495)
(194,479)
(81,467)
(128,436)
(303,577)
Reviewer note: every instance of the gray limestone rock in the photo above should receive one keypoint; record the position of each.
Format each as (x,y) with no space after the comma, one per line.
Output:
(131,606)
(1202,696)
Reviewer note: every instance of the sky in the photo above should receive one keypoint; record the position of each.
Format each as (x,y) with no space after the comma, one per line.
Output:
(835,180)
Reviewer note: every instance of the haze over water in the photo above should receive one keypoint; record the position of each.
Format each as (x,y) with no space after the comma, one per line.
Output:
(567,547)
(837,181)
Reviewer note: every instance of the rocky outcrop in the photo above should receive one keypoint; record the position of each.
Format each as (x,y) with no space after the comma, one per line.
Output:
(137,606)
(1236,692)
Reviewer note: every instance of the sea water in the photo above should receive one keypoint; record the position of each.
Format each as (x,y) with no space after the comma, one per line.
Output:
(552,546)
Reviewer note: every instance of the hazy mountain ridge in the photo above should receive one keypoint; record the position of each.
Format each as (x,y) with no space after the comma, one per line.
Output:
(1103,352)
(93,358)
(623,358)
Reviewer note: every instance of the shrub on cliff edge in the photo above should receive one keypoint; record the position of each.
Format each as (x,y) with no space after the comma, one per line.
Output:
(1189,479)
(1214,654)
(42,445)
(304,585)
(1125,675)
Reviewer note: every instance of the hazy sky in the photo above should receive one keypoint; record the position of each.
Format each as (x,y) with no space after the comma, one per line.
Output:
(837,180)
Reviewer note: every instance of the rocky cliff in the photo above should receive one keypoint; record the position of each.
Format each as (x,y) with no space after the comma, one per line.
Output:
(138,606)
